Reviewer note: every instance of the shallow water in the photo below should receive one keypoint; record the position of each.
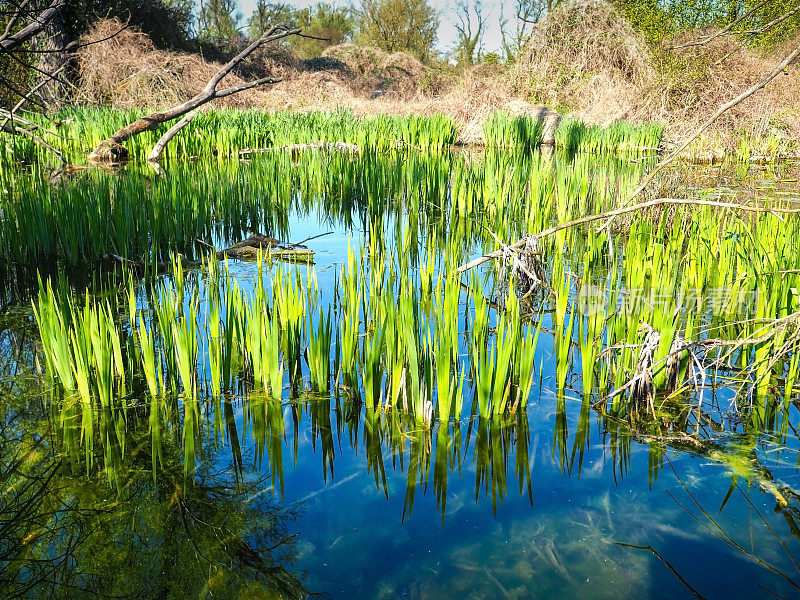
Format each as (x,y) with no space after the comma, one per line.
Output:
(559,500)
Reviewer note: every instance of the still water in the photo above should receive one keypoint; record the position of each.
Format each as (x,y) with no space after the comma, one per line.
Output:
(559,500)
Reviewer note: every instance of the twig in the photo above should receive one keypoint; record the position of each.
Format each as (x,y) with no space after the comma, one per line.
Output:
(308,239)
(666,564)
(721,32)
(19,131)
(27,97)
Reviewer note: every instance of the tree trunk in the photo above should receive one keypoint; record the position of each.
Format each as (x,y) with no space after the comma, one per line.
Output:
(51,54)
(112,150)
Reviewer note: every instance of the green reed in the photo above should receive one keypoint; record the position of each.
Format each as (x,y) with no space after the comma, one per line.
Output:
(400,318)
(224,132)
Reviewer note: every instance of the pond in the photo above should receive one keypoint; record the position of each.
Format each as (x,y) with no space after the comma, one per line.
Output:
(609,411)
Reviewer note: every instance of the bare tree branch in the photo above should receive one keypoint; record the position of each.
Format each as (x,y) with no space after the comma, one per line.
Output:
(717,114)
(12,22)
(27,97)
(158,149)
(10,128)
(729,29)
(774,22)
(11,41)
(470,32)
(246,86)
(621,211)
(111,149)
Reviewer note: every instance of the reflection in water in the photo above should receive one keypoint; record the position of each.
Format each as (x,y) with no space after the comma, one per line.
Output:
(65,533)
(570,497)
(559,522)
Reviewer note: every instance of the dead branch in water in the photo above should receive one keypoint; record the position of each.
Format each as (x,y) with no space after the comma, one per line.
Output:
(111,149)
(16,125)
(521,244)
(158,149)
(256,244)
(779,68)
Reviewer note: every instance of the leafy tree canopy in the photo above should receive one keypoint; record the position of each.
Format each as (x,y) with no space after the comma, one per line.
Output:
(399,26)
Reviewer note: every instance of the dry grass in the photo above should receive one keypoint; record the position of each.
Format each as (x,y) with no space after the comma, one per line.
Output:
(127,71)
(584,59)
(696,81)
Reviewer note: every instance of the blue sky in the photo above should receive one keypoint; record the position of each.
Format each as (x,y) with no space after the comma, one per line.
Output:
(447,17)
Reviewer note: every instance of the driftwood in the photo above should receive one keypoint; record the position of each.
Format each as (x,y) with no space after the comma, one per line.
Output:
(270,247)
(112,150)
(245,250)
(250,248)
(329,146)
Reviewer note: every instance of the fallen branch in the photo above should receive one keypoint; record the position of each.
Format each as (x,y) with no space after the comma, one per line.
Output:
(250,248)
(10,128)
(11,114)
(111,149)
(717,114)
(620,211)
(158,149)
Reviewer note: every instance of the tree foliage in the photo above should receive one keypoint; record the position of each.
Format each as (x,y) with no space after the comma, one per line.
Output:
(663,19)
(470,29)
(331,24)
(218,23)
(266,14)
(399,26)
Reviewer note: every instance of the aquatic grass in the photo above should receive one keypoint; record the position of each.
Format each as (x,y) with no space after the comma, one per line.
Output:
(521,132)
(398,319)
(449,391)
(224,132)
(621,137)
(319,352)
(290,305)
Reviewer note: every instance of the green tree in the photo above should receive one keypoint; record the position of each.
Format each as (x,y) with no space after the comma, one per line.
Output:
(267,14)
(218,23)
(470,28)
(399,26)
(333,25)
(762,23)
